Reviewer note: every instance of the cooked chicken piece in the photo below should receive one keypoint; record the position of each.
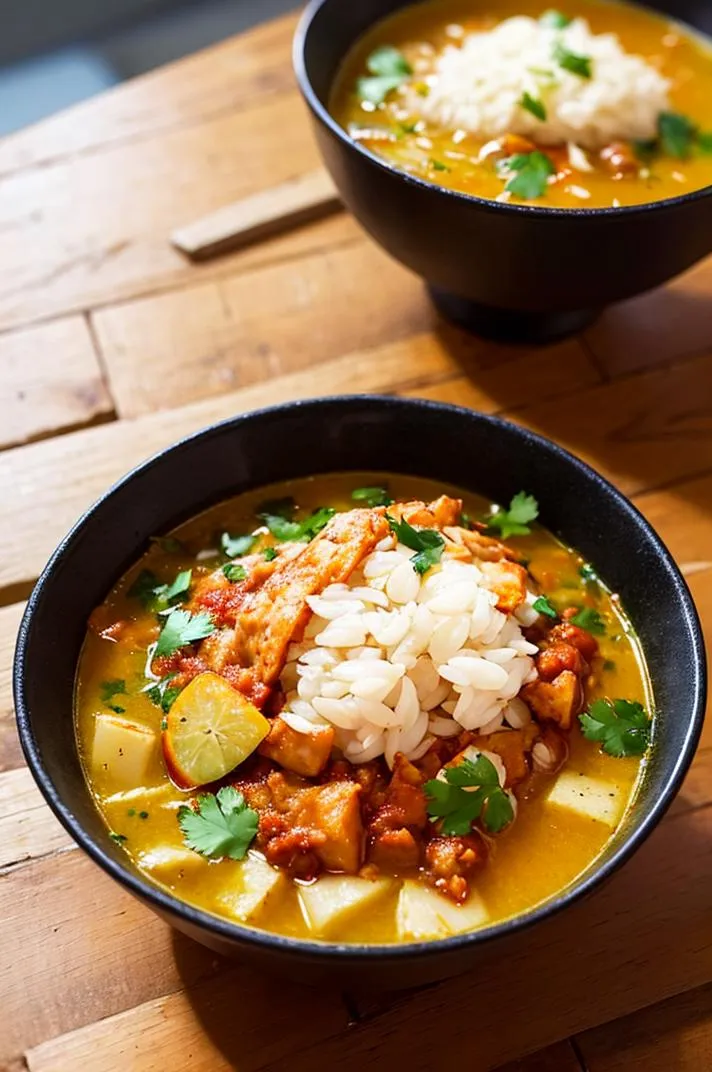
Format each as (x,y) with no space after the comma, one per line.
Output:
(485,548)
(579,638)
(509,581)
(334,810)
(555,701)
(558,657)
(620,160)
(396,850)
(513,748)
(394,833)
(304,753)
(449,860)
(435,515)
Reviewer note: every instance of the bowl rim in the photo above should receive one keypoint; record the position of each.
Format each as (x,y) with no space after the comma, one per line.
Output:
(503,207)
(340,952)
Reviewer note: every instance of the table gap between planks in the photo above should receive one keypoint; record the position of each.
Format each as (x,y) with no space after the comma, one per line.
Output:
(111,347)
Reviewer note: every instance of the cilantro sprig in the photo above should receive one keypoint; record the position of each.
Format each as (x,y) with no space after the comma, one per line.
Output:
(278,516)
(471,791)
(220,825)
(162,693)
(622,726)
(533,105)
(590,620)
(515,520)
(388,69)
(236,546)
(372,496)
(572,61)
(182,628)
(677,136)
(234,571)
(528,173)
(427,543)
(156,596)
(108,690)
(544,606)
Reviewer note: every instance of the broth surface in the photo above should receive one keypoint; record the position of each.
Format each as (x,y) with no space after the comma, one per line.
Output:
(433,154)
(535,859)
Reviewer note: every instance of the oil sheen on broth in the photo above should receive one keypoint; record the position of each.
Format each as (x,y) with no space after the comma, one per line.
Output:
(673,159)
(535,858)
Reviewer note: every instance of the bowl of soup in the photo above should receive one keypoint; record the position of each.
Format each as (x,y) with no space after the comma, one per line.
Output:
(415,684)
(533,165)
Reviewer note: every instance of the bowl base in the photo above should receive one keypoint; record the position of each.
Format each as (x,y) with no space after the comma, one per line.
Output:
(510,325)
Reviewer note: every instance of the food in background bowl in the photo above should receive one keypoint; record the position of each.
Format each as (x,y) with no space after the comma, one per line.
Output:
(599,105)
(379,713)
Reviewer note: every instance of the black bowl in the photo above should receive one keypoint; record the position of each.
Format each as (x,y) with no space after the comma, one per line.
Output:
(404,436)
(507,271)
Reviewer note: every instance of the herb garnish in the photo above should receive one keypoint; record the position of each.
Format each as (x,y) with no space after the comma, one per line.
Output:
(590,620)
(533,105)
(156,596)
(169,544)
(236,546)
(428,543)
(514,522)
(163,694)
(437,165)
(588,573)
(622,726)
(269,554)
(572,61)
(388,69)
(234,571)
(222,825)
(542,605)
(372,496)
(181,628)
(471,791)
(677,134)
(555,20)
(278,515)
(118,838)
(529,173)
(109,689)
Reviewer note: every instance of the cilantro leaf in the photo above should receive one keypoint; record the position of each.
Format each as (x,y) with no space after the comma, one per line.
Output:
(283,529)
(572,61)
(270,553)
(677,134)
(388,68)
(622,726)
(438,165)
(427,543)
(646,149)
(533,105)
(234,571)
(109,689)
(588,573)
(144,587)
(236,546)
(555,20)
(372,496)
(181,628)
(222,825)
(590,620)
(470,791)
(162,693)
(704,141)
(118,838)
(542,605)
(529,174)
(164,595)
(515,521)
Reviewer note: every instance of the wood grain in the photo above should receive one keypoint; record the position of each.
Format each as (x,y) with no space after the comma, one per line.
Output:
(10,752)
(50,381)
(27,826)
(558,1058)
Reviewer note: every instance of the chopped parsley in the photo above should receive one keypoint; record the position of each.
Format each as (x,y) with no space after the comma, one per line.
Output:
(108,690)
(163,694)
(388,69)
(118,838)
(704,141)
(677,134)
(471,791)
(555,20)
(622,726)
(165,595)
(221,825)
(278,517)
(572,61)
(542,605)
(270,553)
(609,665)
(588,573)
(234,571)
(181,628)
(143,815)
(590,620)
(236,546)
(372,496)
(144,587)
(515,521)
(529,174)
(427,543)
(437,165)
(533,105)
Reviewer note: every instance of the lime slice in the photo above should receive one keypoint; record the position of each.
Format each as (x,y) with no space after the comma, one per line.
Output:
(210,729)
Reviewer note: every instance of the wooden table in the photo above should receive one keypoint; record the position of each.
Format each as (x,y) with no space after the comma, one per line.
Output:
(112,346)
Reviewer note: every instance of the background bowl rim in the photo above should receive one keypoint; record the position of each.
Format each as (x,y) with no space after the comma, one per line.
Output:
(357,953)
(458,196)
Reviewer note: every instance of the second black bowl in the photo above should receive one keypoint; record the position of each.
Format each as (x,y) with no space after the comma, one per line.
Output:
(502,270)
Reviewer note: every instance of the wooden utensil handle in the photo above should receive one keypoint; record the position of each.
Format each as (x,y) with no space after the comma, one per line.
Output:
(262,215)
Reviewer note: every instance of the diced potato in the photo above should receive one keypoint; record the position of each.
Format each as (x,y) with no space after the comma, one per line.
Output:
(333,899)
(155,795)
(423,914)
(123,749)
(258,887)
(166,861)
(588,797)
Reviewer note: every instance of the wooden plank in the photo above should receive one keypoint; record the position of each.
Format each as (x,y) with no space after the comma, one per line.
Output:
(656,328)
(27,826)
(228,77)
(10,752)
(558,1058)
(253,219)
(607,949)
(50,381)
(73,470)
(674,1036)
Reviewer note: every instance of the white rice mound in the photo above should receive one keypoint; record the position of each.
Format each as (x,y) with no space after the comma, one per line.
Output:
(393,659)
(478,86)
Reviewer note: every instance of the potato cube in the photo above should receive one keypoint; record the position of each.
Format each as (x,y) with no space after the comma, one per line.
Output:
(258,887)
(588,797)
(333,899)
(123,749)
(423,914)
(166,861)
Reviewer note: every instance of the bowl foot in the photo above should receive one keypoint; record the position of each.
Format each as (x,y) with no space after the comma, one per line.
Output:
(510,325)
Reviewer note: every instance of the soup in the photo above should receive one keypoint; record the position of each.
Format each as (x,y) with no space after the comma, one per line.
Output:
(597,106)
(362,708)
